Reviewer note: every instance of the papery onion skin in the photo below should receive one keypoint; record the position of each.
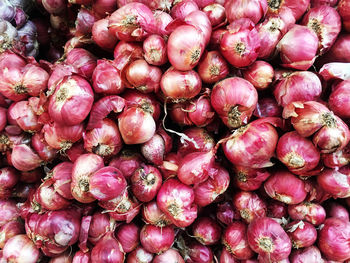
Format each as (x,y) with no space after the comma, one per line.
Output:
(298,8)
(128,236)
(333,240)
(9,230)
(176,200)
(335,182)
(106,78)
(297,86)
(249,205)
(139,255)
(72,101)
(302,234)
(43,149)
(285,187)
(177,85)
(8,179)
(23,158)
(206,230)
(101,35)
(203,139)
(252,145)
(20,249)
(267,107)
(302,39)
(260,74)
(267,237)
(276,209)
(254,10)
(226,214)
(24,115)
(155,50)
(82,60)
(310,212)
(136,125)
(169,256)
(235,241)
(81,257)
(183,8)
(240,44)
(107,183)
(212,67)
(310,254)
(108,249)
(338,99)
(234,99)
(83,169)
(249,179)
(157,239)
(337,210)
(216,14)
(326,23)
(343,9)
(185,55)
(127,161)
(297,153)
(151,214)
(339,52)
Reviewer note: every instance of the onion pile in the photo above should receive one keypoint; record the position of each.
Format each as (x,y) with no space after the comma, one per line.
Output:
(169,131)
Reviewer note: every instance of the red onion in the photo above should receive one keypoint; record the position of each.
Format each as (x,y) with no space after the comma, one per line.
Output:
(207,192)
(216,14)
(102,108)
(81,257)
(145,182)
(169,256)
(176,200)
(343,9)
(101,35)
(331,132)
(23,158)
(216,37)
(234,99)
(72,101)
(226,213)
(136,125)
(252,145)
(42,148)
(177,85)
(132,22)
(151,214)
(83,169)
(61,176)
(20,249)
(145,101)
(100,224)
(66,257)
(179,113)
(139,255)
(235,241)
(143,77)
(154,48)
(3,118)
(333,239)
(326,23)
(54,6)
(338,99)
(200,111)
(54,231)
(310,254)
(23,115)
(104,141)
(249,205)
(254,10)
(310,212)
(82,60)
(335,70)
(285,187)
(155,149)
(267,107)
(202,141)
(298,8)
(196,167)
(196,252)
(297,153)
(108,249)
(298,86)
(62,137)
(337,210)
(241,44)
(339,52)
(104,7)
(212,67)
(8,179)
(128,236)
(9,230)
(157,239)
(182,9)
(127,162)
(107,183)
(10,212)
(201,21)
(276,209)
(302,234)
(162,20)
(106,78)
(227,257)
(185,55)
(249,179)
(267,237)
(125,52)
(32,176)
(206,230)
(335,182)
(260,74)
(84,22)
(298,48)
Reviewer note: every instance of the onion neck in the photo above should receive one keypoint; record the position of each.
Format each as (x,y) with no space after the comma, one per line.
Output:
(234,117)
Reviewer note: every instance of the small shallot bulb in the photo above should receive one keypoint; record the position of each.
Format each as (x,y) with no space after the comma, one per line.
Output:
(338,99)
(20,249)
(176,200)
(260,74)
(101,35)
(157,239)
(129,236)
(107,183)
(139,255)
(169,256)
(235,241)
(310,212)
(335,182)
(255,10)
(241,43)
(108,249)
(298,48)
(154,48)
(285,187)
(215,13)
(333,239)
(302,234)
(151,214)
(310,254)
(297,153)
(106,78)
(206,230)
(267,238)
(212,67)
